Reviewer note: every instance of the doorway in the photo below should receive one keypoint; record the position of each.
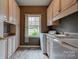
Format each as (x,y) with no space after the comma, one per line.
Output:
(32,29)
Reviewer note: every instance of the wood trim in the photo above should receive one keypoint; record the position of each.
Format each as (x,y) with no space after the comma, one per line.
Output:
(32,10)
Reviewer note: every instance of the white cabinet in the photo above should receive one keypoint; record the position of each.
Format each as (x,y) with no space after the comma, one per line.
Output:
(17,15)
(13,11)
(1,28)
(17,26)
(48,45)
(12,45)
(10,11)
(60,51)
(9,47)
(4,10)
(58,48)
(3,49)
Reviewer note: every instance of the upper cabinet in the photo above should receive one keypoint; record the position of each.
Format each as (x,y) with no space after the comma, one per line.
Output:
(67,7)
(59,9)
(17,15)
(56,7)
(4,10)
(66,4)
(12,11)
(52,11)
(49,14)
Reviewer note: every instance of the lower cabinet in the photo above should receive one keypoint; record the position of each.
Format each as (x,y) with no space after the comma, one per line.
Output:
(12,41)
(9,46)
(14,44)
(48,46)
(58,50)
(3,49)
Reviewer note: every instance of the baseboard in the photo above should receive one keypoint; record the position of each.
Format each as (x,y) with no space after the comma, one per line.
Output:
(36,46)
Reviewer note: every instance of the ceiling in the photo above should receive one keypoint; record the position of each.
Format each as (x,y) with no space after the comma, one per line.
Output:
(33,2)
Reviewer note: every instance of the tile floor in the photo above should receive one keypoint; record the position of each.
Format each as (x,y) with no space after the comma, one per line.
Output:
(28,53)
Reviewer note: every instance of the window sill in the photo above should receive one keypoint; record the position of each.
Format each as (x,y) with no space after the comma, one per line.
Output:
(34,36)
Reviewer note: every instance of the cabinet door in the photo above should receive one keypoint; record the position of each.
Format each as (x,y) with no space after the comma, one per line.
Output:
(3,49)
(56,7)
(14,44)
(14,12)
(4,10)
(10,46)
(10,10)
(49,15)
(17,26)
(48,46)
(59,51)
(65,4)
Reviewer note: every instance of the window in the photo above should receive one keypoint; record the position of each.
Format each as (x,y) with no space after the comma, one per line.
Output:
(33,26)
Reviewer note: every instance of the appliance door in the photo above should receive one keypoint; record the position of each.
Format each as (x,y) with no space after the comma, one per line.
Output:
(43,42)
(61,51)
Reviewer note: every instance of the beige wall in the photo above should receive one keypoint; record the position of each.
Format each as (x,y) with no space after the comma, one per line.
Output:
(32,10)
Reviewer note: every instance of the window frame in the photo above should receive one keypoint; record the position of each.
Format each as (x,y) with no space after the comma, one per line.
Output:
(35,15)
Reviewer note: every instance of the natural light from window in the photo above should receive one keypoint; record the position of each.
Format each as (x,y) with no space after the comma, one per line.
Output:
(33,26)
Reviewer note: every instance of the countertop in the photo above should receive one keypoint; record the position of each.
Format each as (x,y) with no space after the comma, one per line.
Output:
(70,39)
(5,38)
